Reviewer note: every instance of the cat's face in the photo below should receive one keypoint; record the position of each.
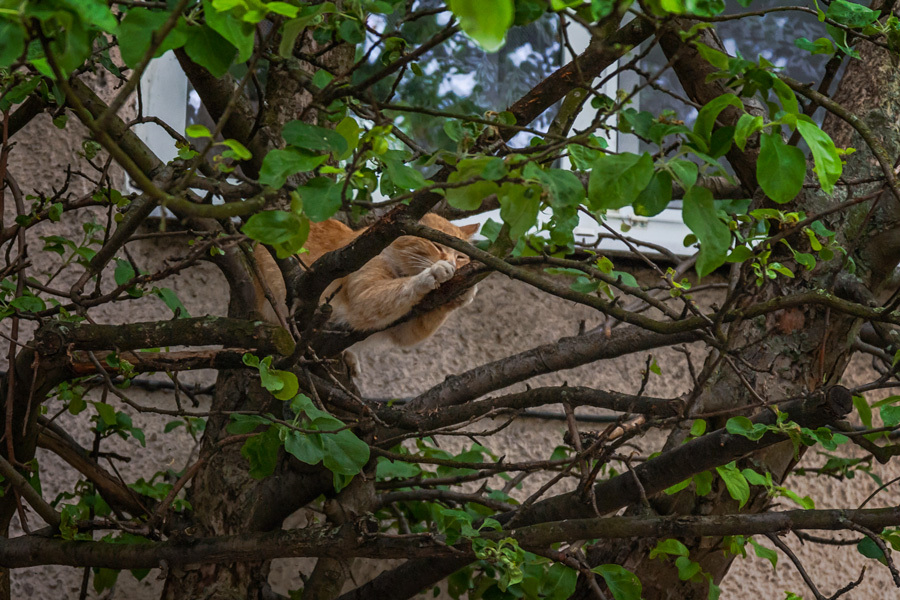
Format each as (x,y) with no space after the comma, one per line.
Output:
(410,255)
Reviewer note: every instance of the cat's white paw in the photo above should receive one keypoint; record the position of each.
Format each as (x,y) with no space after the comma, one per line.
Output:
(442,270)
(435,275)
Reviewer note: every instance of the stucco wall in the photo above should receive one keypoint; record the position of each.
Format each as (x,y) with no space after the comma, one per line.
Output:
(505,317)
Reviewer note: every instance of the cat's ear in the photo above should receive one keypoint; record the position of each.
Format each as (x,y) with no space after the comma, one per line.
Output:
(469,230)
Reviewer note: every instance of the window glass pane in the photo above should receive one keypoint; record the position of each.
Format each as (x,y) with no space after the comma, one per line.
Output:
(771,36)
(459,77)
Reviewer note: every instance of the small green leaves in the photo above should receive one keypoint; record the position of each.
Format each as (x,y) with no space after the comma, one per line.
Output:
(700,216)
(314,138)
(285,231)
(618,179)
(622,583)
(138,26)
(271,226)
(282,384)
(669,546)
(851,14)
(737,484)
(519,207)
(487,25)
(13,43)
(745,427)
(766,553)
(321,198)
(825,154)
(706,118)
(780,169)
(658,193)
(278,165)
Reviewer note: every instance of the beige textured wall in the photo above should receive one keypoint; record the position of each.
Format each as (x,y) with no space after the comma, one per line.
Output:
(504,318)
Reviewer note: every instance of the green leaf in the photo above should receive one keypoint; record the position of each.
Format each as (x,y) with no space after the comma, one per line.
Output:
(698,427)
(669,546)
(851,14)
(686,568)
(700,216)
(394,468)
(262,453)
(559,582)
(780,169)
(822,45)
(349,129)
(868,548)
(124,271)
(138,26)
(237,150)
(487,25)
(785,95)
(282,384)
(28,303)
(519,207)
(13,43)
(351,31)
(278,165)
(198,131)
(241,424)
(657,195)
(703,482)
(272,226)
(622,583)
(471,196)
(618,179)
(706,118)
(404,176)
(890,415)
(745,427)
(292,29)
(747,125)
(104,579)
(672,490)
(314,138)
(566,190)
(306,448)
(766,553)
(685,171)
(171,300)
(237,31)
(107,413)
(825,155)
(864,411)
(321,198)
(345,453)
(736,483)
(210,50)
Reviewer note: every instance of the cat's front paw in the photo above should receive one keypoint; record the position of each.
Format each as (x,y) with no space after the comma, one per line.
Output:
(435,275)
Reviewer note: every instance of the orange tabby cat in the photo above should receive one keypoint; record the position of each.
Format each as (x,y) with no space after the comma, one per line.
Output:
(387,287)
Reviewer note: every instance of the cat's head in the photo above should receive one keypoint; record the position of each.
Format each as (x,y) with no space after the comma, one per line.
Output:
(410,255)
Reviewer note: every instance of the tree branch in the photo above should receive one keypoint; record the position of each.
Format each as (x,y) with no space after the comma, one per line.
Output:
(199,331)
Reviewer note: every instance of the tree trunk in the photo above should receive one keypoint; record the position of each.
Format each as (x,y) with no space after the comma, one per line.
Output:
(224,497)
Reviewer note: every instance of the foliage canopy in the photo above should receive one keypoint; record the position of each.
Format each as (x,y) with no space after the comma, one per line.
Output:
(378,112)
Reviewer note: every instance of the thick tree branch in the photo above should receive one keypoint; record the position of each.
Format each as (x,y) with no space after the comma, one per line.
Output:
(199,331)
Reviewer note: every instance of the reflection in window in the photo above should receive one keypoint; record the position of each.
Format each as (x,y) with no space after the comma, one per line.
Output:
(459,77)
